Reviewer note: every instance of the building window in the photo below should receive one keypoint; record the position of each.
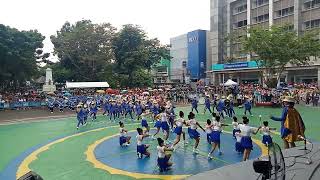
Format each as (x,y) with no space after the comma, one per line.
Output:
(261,2)
(312,4)
(241,8)
(286,11)
(262,18)
(312,24)
(241,23)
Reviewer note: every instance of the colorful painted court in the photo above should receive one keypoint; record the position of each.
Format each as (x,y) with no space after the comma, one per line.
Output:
(56,150)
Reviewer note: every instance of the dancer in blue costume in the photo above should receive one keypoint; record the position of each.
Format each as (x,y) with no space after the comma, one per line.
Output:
(207,105)
(194,104)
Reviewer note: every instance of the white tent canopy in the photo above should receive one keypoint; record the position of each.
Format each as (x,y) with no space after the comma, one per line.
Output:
(230,83)
(87,85)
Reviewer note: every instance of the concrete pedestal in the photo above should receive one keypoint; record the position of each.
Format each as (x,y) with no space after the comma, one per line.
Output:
(49,88)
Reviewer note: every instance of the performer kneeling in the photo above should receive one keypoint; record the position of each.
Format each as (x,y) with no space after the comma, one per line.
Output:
(163,158)
(123,139)
(142,148)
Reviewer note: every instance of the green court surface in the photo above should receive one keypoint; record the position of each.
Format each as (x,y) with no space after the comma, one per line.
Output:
(67,159)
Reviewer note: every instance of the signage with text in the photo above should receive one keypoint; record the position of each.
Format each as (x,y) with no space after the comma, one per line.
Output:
(236,65)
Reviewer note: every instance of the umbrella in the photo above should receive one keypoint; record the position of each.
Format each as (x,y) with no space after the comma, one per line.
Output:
(124,92)
(110,91)
(51,93)
(101,91)
(67,94)
(145,93)
(230,83)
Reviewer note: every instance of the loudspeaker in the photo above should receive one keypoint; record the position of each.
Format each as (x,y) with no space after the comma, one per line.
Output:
(31,176)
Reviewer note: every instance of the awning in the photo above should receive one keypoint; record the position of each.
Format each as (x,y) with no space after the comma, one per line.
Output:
(87,85)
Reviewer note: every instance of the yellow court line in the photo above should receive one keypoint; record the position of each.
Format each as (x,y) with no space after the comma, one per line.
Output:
(97,164)
(24,166)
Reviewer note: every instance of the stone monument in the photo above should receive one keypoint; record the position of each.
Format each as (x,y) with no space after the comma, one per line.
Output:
(49,86)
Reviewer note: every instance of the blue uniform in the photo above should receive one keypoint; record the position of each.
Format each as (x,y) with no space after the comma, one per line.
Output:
(112,111)
(80,117)
(85,115)
(171,120)
(138,111)
(61,105)
(106,107)
(215,137)
(129,109)
(51,105)
(155,110)
(194,105)
(220,108)
(207,104)
(247,107)
(144,123)
(93,112)
(285,131)
(193,133)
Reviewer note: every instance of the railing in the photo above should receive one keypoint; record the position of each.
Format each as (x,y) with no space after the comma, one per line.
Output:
(17,105)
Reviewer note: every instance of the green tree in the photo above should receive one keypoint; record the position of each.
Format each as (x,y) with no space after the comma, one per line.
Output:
(278,47)
(19,51)
(84,50)
(135,53)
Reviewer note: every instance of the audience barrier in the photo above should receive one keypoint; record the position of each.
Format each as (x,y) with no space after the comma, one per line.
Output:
(18,105)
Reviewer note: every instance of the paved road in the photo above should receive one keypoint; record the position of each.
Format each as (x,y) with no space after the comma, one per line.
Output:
(15,116)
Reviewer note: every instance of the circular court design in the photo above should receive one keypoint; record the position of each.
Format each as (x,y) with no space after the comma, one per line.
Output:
(109,155)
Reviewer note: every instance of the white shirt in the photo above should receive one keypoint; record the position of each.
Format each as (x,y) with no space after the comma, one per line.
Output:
(179,122)
(143,116)
(238,136)
(208,129)
(246,130)
(163,117)
(217,126)
(265,130)
(139,139)
(193,124)
(235,125)
(161,152)
(122,132)
(213,120)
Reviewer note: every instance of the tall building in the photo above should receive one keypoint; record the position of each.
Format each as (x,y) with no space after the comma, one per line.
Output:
(189,56)
(234,17)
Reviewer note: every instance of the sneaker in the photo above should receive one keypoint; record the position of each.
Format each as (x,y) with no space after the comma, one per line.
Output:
(186,142)
(210,156)
(139,155)
(77,128)
(195,151)
(154,138)
(220,153)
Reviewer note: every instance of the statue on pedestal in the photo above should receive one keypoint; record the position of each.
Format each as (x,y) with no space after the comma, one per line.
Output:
(49,85)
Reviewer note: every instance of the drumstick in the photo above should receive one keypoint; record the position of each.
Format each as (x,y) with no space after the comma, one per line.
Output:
(260,116)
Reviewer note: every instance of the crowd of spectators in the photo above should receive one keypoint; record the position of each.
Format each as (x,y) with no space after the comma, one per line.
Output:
(308,94)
